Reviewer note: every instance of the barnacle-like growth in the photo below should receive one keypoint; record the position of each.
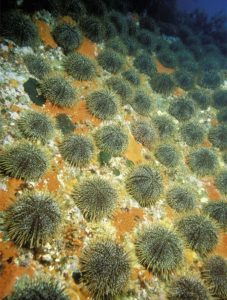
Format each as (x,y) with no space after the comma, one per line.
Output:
(67,36)
(58,91)
(37,66)
(165,126)
(182,109)
(192,133)
(201,97)
(203,161)
(162,83)
(199,232)
(23,161)
(19,28)
(184,79)
(144,184)
(121,87)
(105,268)
(144,133)
(77,150)
(110,60)
(185,288)
(218,211)
(32,219)
(38,288)
(181,199)
(159,250)
(211,79)
(103,104)
(36,126)
(92,28)
(141,103)
(144,63)
(220,98)
(132,76)
(96,198)
(167,155)
(215,276)
(112,139)
(221,182)
(79,66)
(218,136)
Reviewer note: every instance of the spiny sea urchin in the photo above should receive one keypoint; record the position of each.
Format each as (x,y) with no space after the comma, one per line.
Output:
(95,197)
(144,133)
(32,219)
(159,249)
(167,155)
(217,210)
(144,184)
(105,268)
(180,198)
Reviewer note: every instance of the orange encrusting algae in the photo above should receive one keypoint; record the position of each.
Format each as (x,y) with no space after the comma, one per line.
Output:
(134,151)
(212,192)
(88,48)
(45,34)
(10,271)
(7,197)
(163,69)
(179,92)
(221,248)
(125,220)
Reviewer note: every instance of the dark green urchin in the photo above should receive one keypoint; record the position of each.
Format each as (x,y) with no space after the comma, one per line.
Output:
(132,76)
(23,161)
(181,199)
(105,268)
(110,28)
(211,80)
(39,288)
(218,136)
(79,66)
(92,28)
(167,155)
(184,79)
(144,133)
(144,63)
(102,104)
(162,83)
(200,233)
(224,157)
(201,97)
(185,288)
(144,184)
(165,126)
(167,58)
(96,198)
(32,219)
(36,126)
(220,98)
(182,109)
(222,115)
(112,139)
(192,133)
(67,36)
(120,22)
(214,273)
(131,44)
(203,161)
(189,66)
(121,87)
(77,150)
(58,91)
(218,211)
(159,250)
(72,8)
(117,45)
(147,39)
(142,103)
(221,182)
(37,66)
(19,28)
(110,60)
